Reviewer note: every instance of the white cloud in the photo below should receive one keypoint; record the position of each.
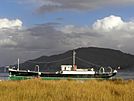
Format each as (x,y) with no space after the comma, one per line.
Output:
(9,32)
(110,32)
(7,42)
(114,27)
(108,24)
(113,23)
(109,27)
(75,29)
(10,24)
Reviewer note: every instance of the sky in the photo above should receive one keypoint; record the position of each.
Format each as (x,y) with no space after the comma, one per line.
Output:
(32,28)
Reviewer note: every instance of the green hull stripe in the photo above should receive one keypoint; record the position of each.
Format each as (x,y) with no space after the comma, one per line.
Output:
(49,78)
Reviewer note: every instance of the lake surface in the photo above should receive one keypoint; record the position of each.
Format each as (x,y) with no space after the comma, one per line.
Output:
(121,75)
(125,75)
(4,76)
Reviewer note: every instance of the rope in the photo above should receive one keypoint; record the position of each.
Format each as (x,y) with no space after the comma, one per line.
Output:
(85,61)
(49,61)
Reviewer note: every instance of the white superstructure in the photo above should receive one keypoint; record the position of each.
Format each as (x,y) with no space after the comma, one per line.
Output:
(78,72)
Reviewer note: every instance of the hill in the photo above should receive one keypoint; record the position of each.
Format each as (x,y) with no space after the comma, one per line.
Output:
(86,57)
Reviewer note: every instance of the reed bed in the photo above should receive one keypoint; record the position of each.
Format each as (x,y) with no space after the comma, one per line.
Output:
(67,90)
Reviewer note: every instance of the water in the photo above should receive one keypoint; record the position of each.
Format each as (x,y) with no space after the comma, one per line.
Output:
(121,75)
(125,75)
(4,76)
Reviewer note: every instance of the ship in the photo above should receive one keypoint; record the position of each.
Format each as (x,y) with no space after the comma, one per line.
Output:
(67,72)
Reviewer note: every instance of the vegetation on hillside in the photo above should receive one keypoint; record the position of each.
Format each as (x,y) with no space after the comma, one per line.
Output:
(67,90)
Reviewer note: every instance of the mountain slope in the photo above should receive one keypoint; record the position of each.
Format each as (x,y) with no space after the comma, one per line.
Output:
(86,57)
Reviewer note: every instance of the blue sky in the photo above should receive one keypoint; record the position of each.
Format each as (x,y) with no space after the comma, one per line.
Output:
(32,28)
(27,13)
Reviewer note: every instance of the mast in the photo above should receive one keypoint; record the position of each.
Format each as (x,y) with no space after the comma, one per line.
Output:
(18,64)
(74,53)
(74,62)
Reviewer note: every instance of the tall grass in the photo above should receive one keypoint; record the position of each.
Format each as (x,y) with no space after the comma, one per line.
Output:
(66,90)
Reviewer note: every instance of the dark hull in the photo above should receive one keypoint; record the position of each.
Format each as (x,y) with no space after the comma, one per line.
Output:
(53,75)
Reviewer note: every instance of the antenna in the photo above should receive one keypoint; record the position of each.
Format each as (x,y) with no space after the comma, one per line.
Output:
(18,64)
